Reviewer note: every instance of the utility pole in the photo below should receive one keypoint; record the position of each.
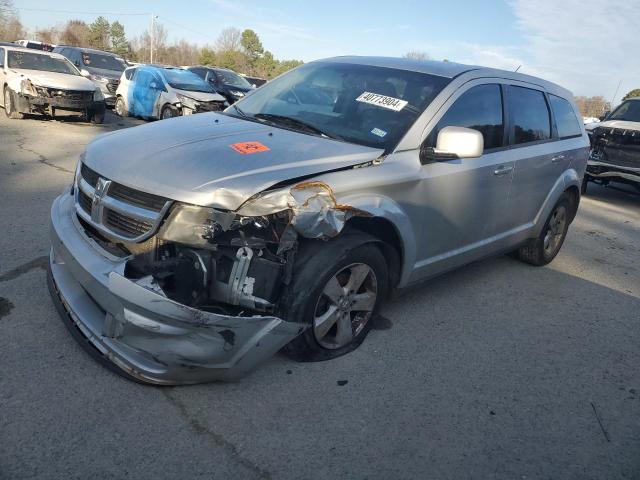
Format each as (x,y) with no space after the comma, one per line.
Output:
(151,38)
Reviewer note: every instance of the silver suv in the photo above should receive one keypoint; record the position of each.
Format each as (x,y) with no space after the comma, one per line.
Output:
(191,249)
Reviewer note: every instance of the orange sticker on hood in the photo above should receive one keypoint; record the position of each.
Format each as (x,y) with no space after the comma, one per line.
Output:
(246,148)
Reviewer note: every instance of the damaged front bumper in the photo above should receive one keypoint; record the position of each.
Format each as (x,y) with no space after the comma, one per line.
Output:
(49,103)
(135,327)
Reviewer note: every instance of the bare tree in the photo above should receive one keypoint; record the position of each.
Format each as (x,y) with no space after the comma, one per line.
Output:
(10,26)
(75,32)
(229,40)
(417,55)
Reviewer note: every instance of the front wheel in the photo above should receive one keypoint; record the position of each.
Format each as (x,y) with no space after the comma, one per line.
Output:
(10,105)
(168,111)
(542,250)
(336,290)
(121,108)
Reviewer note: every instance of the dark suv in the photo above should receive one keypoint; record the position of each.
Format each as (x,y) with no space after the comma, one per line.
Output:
(102,68)
(226,82)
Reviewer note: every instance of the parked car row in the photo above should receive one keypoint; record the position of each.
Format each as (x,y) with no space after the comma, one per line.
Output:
(85,81)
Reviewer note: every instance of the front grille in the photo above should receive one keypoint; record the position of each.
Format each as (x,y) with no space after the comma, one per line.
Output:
(89,175)
(210,106)
(617,146)
(84,201)
(116,210)
(136,197)
(112,86)
(125,224)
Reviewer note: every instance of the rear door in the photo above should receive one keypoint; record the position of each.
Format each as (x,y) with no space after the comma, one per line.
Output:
(537,165)
(465,201)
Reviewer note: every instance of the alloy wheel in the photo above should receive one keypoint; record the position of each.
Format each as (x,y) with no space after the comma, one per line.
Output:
(555,230)
(345,305)
(7,102)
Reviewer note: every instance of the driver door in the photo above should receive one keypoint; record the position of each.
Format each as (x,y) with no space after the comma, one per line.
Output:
(465,201)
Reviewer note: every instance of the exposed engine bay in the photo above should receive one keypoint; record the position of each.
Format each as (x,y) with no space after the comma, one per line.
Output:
(232,263)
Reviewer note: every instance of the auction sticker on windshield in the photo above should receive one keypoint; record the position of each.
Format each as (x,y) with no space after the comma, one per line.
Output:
(246,148)
(383,101)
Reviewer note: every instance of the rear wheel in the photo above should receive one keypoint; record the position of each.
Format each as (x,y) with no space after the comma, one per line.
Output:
(10,105)
(336,290)
(542,250)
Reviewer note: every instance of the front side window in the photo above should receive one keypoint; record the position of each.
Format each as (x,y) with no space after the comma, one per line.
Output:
(1,57)
(362,104)
(479,108)
(37,61)
(568,125)
(628,110)
(529,115)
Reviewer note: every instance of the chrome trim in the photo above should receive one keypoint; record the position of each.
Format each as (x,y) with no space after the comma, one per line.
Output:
(100,200)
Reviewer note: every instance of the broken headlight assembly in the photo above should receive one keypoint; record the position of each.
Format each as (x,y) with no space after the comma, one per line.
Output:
(217,261)
(27,88)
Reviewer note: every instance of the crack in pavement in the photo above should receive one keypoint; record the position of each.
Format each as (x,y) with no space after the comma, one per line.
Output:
(40,262)
(41,158)
(216,438)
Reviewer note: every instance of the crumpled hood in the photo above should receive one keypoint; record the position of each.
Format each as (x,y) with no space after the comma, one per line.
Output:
(191,159)
(201,96)
(63,81)
(622,124)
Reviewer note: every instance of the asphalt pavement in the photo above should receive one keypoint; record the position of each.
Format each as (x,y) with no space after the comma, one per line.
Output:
(498,370)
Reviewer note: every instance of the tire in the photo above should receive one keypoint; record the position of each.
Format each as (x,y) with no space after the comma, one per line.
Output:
(120,108)
(9,102)
(168,112)
(542,250)
(335,326)
(98,118)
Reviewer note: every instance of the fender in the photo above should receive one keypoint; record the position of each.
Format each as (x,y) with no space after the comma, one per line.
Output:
(385,208)
(569,178)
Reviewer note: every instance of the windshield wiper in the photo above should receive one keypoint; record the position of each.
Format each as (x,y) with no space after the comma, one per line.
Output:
(294,122)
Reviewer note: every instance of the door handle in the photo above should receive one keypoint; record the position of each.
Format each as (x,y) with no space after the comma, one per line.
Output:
(503,170)
(557,158)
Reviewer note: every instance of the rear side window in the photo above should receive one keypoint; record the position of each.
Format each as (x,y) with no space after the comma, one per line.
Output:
(1,57)
(566,121)
(479,108)
(529,114)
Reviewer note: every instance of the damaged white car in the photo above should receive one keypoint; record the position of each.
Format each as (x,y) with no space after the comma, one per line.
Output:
(192,249)
(35,82)
(153,92)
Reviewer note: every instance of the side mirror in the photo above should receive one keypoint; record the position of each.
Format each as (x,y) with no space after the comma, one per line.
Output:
(604,116)
(454,142)
(154,86)
(85,73)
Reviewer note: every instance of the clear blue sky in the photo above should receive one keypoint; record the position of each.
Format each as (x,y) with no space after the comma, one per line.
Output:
(556,39)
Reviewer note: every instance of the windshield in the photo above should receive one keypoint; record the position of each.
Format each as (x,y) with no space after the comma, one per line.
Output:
(629,110)
(107,62)
(36,61)
(186,80)
(372,106)
(232,79)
